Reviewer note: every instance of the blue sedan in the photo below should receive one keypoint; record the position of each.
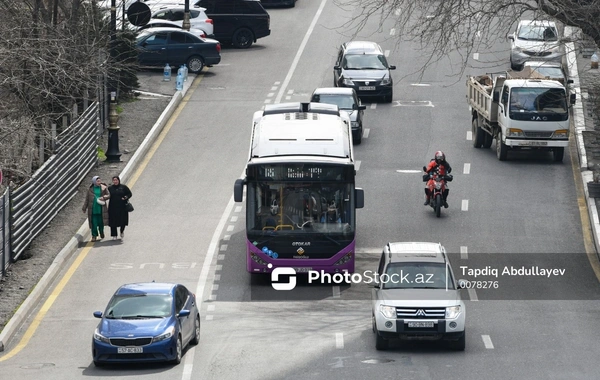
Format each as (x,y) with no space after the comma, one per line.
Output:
(146,322)
(159,46)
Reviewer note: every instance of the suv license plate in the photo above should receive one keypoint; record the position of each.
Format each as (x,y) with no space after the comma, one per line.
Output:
(302,270)
(420,324)
(130,350)
(366,88)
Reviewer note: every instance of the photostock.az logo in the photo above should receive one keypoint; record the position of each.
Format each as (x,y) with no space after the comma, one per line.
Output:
(291,272)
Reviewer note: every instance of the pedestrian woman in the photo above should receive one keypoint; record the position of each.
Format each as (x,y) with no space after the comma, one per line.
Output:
(118,217)
(95,205)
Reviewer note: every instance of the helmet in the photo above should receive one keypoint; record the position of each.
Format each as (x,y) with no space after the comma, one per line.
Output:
(440,156)
(274,207)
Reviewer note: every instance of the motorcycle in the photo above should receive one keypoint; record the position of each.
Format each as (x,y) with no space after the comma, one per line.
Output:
(436,197)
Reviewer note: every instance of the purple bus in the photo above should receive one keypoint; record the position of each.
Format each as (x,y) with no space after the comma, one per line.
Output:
(300,196)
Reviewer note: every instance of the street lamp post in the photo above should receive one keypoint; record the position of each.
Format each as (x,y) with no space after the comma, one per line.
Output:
(186,15)
(113,154)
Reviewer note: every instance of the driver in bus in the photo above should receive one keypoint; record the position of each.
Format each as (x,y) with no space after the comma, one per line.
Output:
(331,215)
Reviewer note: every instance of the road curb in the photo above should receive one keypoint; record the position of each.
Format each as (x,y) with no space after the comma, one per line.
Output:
(579,126)
(83,233)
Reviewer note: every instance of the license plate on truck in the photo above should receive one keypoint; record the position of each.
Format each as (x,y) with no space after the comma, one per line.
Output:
(130,350)
(366,88)
(427,324)
(534,143)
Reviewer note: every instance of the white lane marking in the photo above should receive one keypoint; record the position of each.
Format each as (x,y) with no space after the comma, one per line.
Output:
(487,341)
(234,219)
(408,171)
(288,77)
(463,253)
(220,257)
(288,98)
(373,106)
(210,308)
(398,11)
(465,205)
(290,92)
(420,84)
(209,317)
(472,295)
(215,287)
(223,247)
(357,164)
(217,277)
(212,297)
(274,88)
(339,340)
(336,292)
(469,135)
(230,228)
(366,133)
(413,103)
(188,365)
(368,250)
(218,268)
(267,101)
(277,83)
(467,168)
(386,53)
(237,209)
(476,56)
(227,237)
(392,33)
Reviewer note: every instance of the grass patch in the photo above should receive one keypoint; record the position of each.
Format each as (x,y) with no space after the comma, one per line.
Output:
(101,154)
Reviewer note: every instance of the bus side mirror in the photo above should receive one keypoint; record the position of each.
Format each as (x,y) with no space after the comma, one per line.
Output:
(359,196)
(572,99)
(238,190)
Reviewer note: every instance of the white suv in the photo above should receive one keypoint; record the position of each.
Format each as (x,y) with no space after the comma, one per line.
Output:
(174,13)
(416,296)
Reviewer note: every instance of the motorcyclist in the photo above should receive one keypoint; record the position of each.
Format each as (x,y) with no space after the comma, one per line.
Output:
(441,167)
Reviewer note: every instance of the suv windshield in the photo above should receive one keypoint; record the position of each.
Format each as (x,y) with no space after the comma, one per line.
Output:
(417,276)
(364,62)
(537,33)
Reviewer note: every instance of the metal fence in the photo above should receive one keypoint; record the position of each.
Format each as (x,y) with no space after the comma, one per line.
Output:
(4,232)
(52,186)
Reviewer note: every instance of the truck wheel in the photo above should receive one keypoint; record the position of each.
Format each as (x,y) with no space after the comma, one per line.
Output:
(487,140)
(477,134)
(501,148)
(558,153)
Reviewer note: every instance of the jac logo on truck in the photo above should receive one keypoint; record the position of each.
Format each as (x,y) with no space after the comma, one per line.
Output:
(538,118)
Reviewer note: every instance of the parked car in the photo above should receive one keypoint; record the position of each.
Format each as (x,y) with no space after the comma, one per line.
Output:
(551,70)
(171,24)
(279,3)
(363,66)
(146,322)
(534,40)
(159,46)
(239,22)
(416,296)
(347,100)
(175,13)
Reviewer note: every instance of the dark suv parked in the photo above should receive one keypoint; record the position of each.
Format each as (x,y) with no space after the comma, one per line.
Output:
(240,22)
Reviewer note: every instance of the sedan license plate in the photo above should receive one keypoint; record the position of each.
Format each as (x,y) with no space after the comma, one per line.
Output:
(366,88)
(130,350)
(427,324)
(302,270)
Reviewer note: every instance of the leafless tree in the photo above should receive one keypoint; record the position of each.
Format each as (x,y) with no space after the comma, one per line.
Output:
(53,54)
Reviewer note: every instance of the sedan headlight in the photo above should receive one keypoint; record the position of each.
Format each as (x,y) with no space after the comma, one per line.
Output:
(101,338)
(348,82)
(388,311)
(166,335)
(514,132)
(386,81)
(452,312)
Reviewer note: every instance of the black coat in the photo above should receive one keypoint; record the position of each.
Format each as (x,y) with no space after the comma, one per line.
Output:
(117,214)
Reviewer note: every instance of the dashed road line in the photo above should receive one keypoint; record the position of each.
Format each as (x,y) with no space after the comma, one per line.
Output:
(339,340)
(472,295)
(467,169)
(464,255)
(487,341)
(465,205)
(223,247)
(366,133)
(336,292)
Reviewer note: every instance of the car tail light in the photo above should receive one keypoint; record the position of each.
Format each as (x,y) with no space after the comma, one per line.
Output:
(218,47)
(209,21)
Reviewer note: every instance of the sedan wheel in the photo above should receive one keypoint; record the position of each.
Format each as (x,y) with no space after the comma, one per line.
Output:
(243,38)
(195,64)
(179,353)
(196,339)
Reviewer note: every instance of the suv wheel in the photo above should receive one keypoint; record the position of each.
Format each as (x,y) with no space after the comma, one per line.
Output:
(458,345)
(380,343)
(243,38)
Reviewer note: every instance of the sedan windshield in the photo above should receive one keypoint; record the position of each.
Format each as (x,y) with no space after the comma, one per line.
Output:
(139,306)
(537,33)
(364,62)
(344,102)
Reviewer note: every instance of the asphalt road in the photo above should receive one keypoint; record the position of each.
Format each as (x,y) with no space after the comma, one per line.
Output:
(188,229)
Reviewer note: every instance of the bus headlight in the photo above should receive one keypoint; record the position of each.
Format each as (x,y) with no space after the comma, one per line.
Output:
(344,259)
(257,259)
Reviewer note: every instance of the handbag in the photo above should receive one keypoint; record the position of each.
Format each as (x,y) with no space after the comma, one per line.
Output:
(128,206)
